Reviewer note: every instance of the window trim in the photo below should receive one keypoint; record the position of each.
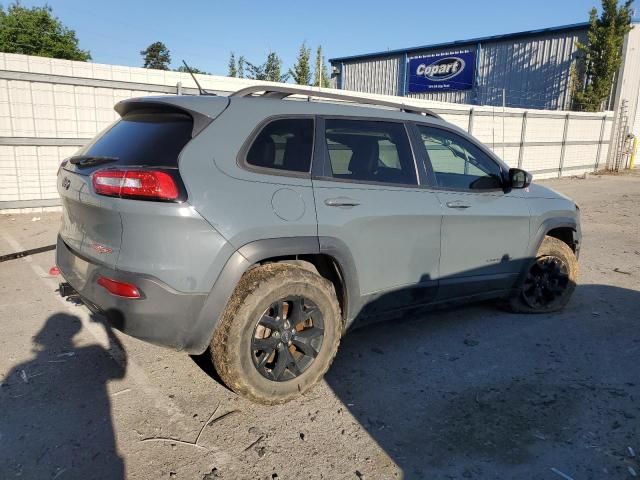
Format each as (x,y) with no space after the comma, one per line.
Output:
(241,158)
(431,173)
(324,171)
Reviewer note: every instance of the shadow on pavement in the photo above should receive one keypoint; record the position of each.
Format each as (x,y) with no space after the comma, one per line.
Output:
(55,413)
(476,393)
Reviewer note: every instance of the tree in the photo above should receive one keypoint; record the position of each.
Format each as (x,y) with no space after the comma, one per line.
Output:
(601,56)
(255,72)
(273,68)
(320,77)
(156,56)
(233,69)
(36,31)
(184,69)
(241,65)
(270,70)
(301,71)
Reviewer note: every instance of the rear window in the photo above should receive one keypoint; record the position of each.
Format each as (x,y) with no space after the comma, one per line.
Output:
(154,139)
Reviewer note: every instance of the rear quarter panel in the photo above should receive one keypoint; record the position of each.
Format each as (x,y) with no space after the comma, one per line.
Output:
(171,242)
(244,205)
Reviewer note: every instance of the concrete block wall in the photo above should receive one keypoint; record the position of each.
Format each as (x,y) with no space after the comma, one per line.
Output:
(49,108)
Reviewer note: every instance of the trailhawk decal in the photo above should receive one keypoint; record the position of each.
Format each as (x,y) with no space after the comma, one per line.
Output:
(441,72)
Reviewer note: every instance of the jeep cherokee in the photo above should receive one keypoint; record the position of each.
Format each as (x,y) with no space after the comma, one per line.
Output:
(260,228)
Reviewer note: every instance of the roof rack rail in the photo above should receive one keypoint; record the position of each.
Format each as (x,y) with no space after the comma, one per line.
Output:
(278,92)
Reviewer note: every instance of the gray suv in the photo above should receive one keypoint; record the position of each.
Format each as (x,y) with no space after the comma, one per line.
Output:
(260,228)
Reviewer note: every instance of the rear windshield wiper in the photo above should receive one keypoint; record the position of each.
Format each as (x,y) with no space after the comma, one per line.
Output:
(90,160)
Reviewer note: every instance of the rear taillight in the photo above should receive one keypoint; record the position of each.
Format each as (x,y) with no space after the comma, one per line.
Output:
(141,184)
(120,289)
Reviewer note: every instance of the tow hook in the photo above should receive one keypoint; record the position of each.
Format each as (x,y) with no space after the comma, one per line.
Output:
(65,289)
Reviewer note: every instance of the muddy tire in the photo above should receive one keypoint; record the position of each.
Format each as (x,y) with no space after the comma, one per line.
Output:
(278,334)
(549,281)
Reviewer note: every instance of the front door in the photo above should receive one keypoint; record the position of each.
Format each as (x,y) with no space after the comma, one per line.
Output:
(368,198)
(485,231)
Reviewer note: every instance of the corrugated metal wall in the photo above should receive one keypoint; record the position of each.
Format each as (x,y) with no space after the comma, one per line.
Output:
(380,75)
(533,71)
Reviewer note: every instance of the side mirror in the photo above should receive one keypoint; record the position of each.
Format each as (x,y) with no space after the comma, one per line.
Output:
(519,178)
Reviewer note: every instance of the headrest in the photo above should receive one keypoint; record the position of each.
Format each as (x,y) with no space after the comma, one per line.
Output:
(364,159)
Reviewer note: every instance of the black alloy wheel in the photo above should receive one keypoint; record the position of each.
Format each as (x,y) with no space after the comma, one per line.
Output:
(546,282)
(287,338)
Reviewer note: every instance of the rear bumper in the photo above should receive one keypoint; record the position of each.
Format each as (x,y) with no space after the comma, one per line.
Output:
(162,316)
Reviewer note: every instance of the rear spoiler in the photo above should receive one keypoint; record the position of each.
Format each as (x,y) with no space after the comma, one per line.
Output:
(202,113)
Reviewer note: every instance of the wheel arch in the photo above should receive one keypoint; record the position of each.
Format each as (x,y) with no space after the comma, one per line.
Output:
(566,234)
(562,228)
(556,226)
(329,256)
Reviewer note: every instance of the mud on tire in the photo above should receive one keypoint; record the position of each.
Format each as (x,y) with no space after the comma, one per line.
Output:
(550,279)
(233,344)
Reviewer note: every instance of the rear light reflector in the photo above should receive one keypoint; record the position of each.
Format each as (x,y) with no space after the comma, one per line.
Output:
(120,289)
(141,184)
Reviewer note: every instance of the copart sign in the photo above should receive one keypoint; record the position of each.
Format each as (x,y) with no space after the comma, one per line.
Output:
(442,72)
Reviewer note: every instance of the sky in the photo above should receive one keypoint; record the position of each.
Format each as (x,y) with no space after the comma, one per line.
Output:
(205,32)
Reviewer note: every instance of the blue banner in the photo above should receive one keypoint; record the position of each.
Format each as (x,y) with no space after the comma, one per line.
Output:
(439,73)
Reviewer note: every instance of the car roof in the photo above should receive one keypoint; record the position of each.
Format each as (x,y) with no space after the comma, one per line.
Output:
(210,106)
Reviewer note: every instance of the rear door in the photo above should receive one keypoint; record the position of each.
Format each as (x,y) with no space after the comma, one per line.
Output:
(368,197)
(92,224)
(485,230)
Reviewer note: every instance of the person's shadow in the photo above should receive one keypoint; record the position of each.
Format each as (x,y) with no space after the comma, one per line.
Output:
(55,415)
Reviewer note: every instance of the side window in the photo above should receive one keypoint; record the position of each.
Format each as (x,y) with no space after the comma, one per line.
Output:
(458,163)
(284,144)
(369,151)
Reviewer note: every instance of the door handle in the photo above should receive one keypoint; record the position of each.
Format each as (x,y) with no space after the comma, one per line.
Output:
(459,205)
(341,202)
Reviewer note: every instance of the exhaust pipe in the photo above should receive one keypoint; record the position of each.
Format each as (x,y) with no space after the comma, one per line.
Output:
(66,290)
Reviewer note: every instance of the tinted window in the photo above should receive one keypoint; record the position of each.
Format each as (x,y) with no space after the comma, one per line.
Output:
(284,145)
(144,139)
(458,163)
(369,151)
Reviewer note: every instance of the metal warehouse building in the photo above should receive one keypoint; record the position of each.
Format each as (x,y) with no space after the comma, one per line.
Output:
(530,69)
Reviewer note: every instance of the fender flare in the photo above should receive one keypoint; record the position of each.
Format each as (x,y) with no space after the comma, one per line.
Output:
(199,338)
(550,224)
(534,244)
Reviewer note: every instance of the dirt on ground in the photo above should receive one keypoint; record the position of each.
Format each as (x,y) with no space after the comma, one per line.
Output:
(470,392)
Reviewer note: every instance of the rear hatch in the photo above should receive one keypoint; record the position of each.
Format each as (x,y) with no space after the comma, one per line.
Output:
(147,141)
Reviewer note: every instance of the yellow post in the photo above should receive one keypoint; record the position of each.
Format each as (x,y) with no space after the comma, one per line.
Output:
(633,152)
